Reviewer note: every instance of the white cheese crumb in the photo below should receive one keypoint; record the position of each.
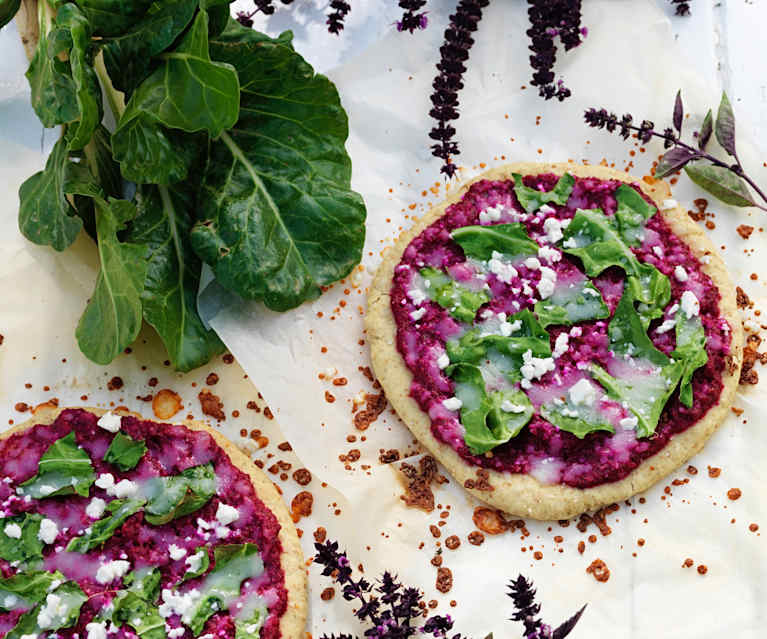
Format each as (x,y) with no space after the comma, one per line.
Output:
(96,630)
(576,331)
(690,304)
(176,552)
(547,283)
(123,488)
(109,421)
(452,403)
(222,532)
(560,345)
(504,271)
(95,508)
(195,561)
(549,254)
(582,393)
(532,263)
(53,613)
(492,214)
(508,407)
(680,274)
(13,530)
(174,632)
(666,326)
(545,208)
(177,603)
(417,296)
(443,361)
(29,636)
(112,570)
(418,313)
(48,532)
(226,514)
(669,204)
(570,243)
(628,422)
(657,250)
(105,481)
(534,367)
(553,228)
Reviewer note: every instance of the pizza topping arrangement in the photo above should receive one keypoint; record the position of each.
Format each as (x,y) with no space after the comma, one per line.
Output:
(556,326)
(115,527)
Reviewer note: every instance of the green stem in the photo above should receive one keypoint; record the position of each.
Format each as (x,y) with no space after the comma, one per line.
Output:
(115,98)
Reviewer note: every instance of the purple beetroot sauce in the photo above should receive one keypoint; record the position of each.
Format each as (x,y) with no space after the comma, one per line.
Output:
(600,457)
(170,450)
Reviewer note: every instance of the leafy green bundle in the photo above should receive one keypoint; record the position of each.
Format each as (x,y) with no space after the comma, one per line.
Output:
(232,151)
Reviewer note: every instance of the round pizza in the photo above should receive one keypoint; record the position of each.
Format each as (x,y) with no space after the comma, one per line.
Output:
(560,337)
(116,527)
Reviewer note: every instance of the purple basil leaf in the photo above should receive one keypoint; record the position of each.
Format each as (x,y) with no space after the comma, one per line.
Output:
(725,126)
(678,111)
(722,183)
(705,131)
(674,160)
(567,627)
(490,636)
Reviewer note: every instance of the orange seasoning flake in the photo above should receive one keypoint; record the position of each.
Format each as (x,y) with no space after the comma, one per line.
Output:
(599,570)
(166,403)
(489,521)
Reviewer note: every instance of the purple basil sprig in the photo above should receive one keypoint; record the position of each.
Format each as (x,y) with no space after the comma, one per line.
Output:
(413,18)
(726,181)
(393,611)
(336,17)
(682,7)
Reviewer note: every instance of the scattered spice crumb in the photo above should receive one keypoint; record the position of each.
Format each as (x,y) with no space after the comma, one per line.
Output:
(444,579)
(301,506)
(418,493)
(489,521)
(751,355)
(302,476)
(211,405)
(327,594)
(116,383)
(476,538)
(744,230)
(713,471)
(320,534)
(599,569)
(688,563)
(166,403)
(702,569)
(581,547)
(211,379)
(734,493)
(452,542)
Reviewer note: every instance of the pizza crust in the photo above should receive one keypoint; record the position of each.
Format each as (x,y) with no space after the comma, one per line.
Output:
(293,621)
(523,495)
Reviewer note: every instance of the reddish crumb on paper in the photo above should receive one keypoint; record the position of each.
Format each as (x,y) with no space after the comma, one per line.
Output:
(166,403)
(751,355)
(444,579)
(116,383)
(742,299)
(599,569)
(211,405)
(713,471)
(418,493)
(375,404)
(301,505)
(489,521)
(744,230)
(734,494)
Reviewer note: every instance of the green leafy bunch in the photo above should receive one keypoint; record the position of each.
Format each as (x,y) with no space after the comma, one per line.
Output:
(226,149)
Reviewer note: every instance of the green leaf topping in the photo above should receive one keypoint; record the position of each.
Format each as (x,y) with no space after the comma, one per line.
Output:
(26,589)
(202,553)
(101,530)
(25,546)
(577,417)
(234,563)
(145,582)
(61,609)
(64,469)
(178,495)
(722,183)
(124,452)
(480,242)
(532,199)
(249,621)
(280,181)
(570,303)
(173,274)
(139,614)
(632,214)
(112,318)
(628,337)
(461,302)
(691,350)
(489,419)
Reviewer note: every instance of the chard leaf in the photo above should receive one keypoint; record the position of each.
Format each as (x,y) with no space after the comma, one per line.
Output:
(113,17)
(632,214)
(138,613)
(489,420)
(461,302)
(124,451)
(570,304)
(705,131)
(532,199)
(8,9)
(278,216)
(722,183)
(724,128)
(234,563)
(579,419)
(178,495)
(23,548)
(112,318)
(628,337)
(202,552)
(24,590)
(45,215)
(63,612)
(249,621)
(104,528)
(173,275)
(480,242)
(64,469)
(188,92)
(691,350)
(128,56)
(144,582)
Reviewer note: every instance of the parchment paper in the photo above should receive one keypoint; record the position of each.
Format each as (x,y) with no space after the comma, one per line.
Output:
(629,62)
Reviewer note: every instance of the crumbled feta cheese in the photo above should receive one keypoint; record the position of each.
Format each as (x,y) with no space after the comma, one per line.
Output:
(549,254)
(680,274)
(178,603)
(576,331)
(226,514)
(570,243)
(546,209)
(48,532)
(560,345)
(690,304)
(112,570)
(532,263)
(547,283)
(628,422)
(96,630)
(582,393)
(222,532)
(657,250)
(123,488)
(204,525)
(502,269)
(53,613)
(174,632)
(105,481)
(417,296)
(508,407)
(669,204)
(418,313)
(176,552)
(534,367)
(452,403)
(13,530)
(109,421)
(666,326)
(552,227)
(95,508)
(526,288)
(492,214)
(588,290)
(443,361)
(195,561)
(29,636)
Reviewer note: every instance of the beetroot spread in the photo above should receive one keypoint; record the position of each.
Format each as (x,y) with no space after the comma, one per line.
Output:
(233,515)
(549,453)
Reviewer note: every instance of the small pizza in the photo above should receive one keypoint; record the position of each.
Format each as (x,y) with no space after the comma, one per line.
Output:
(560,337)
(115,527)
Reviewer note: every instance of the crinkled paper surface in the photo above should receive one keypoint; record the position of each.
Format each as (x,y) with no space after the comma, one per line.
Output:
(635,58)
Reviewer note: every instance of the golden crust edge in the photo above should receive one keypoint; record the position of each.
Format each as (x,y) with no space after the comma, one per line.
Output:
(293,621)
(523,495)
